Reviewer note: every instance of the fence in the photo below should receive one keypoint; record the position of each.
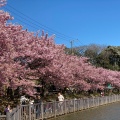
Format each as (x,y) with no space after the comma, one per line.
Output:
(2,117)
(53,109)
(14,115)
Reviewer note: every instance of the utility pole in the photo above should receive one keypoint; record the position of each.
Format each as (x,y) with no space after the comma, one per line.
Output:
(71,42)
(72,50)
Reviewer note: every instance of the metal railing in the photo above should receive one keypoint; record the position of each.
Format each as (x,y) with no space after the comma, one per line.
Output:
(2,117)
(53,109)
(15,114)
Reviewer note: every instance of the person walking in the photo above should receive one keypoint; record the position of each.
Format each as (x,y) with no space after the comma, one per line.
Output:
(60,103)
(7,109)
(37,102)
(60,97)
(31,101)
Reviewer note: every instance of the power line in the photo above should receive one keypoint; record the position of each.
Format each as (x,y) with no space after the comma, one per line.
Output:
(45,27)
(35,25)
(39,25)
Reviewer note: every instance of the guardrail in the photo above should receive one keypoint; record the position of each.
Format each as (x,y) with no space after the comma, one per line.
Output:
(2,117)
(52,109)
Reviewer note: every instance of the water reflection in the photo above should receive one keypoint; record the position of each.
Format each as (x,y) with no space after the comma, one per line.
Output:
(106,112)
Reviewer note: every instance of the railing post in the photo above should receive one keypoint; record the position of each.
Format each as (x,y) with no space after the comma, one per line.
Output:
(82,104)
(29,111)
(102,100)
(115,98)
(74,105)
(79,104)
(98,101)
(17,112)
(55,109)
(93,103)
(118,97)
(20,112)
(109,99)
(42,110)
(88,102)
(8,116)
(65,107)
(105,99)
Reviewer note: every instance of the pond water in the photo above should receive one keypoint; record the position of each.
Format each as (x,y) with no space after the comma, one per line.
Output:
(106,112)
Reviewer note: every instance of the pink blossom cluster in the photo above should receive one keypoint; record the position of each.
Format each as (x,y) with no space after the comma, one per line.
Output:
(2,3)
(26,58)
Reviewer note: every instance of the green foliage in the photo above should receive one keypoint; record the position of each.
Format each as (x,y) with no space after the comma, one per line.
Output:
(100,56)
(109,58)
(72,51)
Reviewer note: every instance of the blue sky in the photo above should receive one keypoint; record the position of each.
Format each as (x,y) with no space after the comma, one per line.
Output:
(82,21)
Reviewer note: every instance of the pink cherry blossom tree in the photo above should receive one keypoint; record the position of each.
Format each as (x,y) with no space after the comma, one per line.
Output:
(26,58)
